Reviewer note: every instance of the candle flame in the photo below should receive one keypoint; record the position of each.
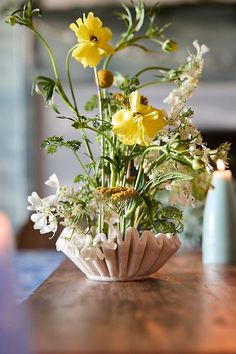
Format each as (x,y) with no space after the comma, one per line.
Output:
(220,165)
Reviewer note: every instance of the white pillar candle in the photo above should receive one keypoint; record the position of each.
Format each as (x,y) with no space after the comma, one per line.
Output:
(219,222)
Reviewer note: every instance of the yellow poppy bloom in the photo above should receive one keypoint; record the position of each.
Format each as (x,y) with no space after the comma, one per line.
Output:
(93,40)
(139,124)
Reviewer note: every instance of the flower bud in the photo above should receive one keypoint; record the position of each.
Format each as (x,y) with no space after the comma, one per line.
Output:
(169,46)
(105,78)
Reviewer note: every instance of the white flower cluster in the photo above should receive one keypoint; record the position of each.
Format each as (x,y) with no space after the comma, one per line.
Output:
(86,246)
(44,216)
(48,212)
(189,80)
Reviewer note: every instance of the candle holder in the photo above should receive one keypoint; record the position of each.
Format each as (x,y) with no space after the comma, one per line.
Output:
(219,221)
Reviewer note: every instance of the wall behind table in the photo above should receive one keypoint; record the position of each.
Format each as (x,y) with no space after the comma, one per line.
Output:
(16,131)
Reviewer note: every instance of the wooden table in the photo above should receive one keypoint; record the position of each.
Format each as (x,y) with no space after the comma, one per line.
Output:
(184,308)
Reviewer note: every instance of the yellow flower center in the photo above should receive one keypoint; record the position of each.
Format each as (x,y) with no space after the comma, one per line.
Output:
(137,117)
(93,38)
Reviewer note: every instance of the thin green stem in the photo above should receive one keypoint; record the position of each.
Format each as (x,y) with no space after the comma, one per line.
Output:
(151,68)
(84,169)
(68,58)
(107,61)
(83,134)
(54,66)
(101,214)
(150,83)
(103,134)
(158,162)
(142,161)
(55,70)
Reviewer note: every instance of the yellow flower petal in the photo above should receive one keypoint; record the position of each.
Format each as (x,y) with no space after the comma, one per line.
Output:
(90,32)
(106,48)
(134,100)
(120,119)
(87,54)
(83,34)
(138,125)
(73,27)
(92,22)
(106,34)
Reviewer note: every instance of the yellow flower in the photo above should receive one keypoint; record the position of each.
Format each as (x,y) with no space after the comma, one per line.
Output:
(93,40)
(139,124)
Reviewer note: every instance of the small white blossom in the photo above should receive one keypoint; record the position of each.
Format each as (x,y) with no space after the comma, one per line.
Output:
(189,80)
(92,247)
(43,219)
(53,182)
(70,240)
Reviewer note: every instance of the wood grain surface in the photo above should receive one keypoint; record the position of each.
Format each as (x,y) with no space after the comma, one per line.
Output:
(184,308)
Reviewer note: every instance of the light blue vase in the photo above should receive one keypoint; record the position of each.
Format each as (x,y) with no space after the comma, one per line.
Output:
(219,222)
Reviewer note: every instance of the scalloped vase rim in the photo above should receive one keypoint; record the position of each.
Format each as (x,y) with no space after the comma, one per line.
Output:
(135,258)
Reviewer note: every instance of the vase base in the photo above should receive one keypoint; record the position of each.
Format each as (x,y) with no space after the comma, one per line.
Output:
(118,279)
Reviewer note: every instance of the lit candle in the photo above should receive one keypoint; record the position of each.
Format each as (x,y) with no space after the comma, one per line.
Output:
(219,222)
(6,239)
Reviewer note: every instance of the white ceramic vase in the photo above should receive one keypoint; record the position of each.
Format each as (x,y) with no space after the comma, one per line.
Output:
(135,258)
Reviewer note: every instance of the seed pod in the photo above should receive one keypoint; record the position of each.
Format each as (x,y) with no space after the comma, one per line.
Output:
(169,46)
(105,78)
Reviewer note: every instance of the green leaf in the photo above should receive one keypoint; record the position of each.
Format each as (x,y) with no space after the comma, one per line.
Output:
(45,87)
(24,16)
(112,162)
(141,182)
(170,213)
(91,104)
(165,227)
(52,144)
(74,145)
(140,15)
(79,178)
(165,177)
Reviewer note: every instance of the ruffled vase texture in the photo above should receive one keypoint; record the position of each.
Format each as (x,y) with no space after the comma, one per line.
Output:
(134,258)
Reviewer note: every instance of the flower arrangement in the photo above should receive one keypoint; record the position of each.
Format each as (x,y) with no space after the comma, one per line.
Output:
(144,150)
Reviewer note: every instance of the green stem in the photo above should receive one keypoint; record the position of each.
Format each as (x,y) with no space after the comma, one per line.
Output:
(68,57)
(150,83)
(84,169)
(101,214)
(49,52)
(151,68)
(85,138)
(107,61)
(153,147)
(103,134)
(158,162)
(55,70)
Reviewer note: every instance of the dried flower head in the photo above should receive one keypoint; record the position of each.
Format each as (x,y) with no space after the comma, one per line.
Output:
(105,78)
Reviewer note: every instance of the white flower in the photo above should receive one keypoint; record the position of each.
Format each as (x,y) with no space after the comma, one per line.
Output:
(35,201)
(92,247)
(53,182)
(91,251)
(104,242)
(70,240)
(201,50)
(189,80)
(44,219)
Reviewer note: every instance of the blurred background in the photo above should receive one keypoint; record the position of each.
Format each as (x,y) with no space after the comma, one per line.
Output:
(25,121)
